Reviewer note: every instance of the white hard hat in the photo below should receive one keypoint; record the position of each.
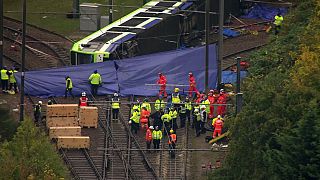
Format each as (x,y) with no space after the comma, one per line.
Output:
(221,90)
(203,107)
(115,94)
(151,127)
(130,122)
(196,110)
(40,102)
(83,94)
(219,116)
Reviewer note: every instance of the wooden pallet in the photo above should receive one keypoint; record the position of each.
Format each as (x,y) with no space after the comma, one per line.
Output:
(61,121)
(73,142)
(54,132)
(88,117)
(68,110)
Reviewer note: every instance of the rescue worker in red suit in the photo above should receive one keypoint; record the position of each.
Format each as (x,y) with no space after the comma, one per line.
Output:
(198,99)
(218,125)
(144,117)
(222,99)
(193,86)
(162,81)
(149,137)
(83,101)
(212,100)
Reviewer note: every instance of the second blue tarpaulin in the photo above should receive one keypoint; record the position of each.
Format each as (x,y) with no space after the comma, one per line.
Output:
(265,12)
(231,76)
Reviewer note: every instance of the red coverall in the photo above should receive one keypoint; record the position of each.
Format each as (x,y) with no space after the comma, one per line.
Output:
(218,125)
(144,117)
(148,138)
(222,99)
(162,81)
(83,101)
(212,101)
(193,85)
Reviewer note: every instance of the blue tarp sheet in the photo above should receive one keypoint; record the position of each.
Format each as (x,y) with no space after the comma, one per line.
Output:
(127,76)
(261,11)
(230,33)
(231,77)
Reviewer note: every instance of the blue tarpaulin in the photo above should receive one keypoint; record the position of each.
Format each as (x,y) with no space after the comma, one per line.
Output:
(230,33)
(127,76)
(231,77)
(262,11)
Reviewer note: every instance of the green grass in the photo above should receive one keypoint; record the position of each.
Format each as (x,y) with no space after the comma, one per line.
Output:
(58,22)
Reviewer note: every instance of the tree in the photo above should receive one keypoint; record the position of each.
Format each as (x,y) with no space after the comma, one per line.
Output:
(30,153)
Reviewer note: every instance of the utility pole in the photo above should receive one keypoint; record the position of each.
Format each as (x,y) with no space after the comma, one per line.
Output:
(207,28)
(1,33)
(75,10)
(220,41)
(110,11)
(239,94)
(23,53)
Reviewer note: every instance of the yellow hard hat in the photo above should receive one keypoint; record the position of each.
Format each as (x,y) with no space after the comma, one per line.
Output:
(171,131)
(176,89)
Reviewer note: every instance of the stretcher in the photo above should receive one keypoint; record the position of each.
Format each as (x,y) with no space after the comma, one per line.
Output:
(219,137)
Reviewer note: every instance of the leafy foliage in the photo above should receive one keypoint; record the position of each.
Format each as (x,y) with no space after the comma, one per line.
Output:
(8,125)
(30,154)
(276,136)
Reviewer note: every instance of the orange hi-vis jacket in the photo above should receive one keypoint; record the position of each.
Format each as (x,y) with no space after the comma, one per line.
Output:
(172,139)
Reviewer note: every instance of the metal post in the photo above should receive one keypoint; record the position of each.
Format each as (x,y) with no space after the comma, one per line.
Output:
(238,59)
(239,95)
(1,33)
(220,42)
(75,10)
(207,25)
(23,53)
(110,11)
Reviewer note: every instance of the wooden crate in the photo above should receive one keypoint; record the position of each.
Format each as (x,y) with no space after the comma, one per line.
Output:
(62,121)
(73,142)
(60,110)
(54,132)
(88,117)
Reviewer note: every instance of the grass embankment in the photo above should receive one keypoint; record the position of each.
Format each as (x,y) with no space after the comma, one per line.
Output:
(57,20)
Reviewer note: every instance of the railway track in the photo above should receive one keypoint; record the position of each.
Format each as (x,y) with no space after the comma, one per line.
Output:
(48,46)
(164,166)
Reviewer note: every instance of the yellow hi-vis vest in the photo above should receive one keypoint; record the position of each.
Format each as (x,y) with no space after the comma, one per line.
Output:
(115,103)
(278,20)
(175,98)
(95,79)
(4,75)
(188,106)
(147,105)
(159,105)
(207,104)
(173,114)
(70,85)
(166,118)
(135,117)
(156,134)
(12,79)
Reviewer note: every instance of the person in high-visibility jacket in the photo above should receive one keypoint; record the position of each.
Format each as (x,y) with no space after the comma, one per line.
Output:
(12,80)
(193,86)
(115,105)
(156,137)
(222,100)
(95,81)
(188,106)
(166,119)
(172,143)
(83,100)
(37,112)
(175,98)
(69,87)
(4,79)
(218,125)
(149,137)
(197,120)
(146,104)
(174,115)
(204,118)
(277,23)
(134,121)
(162,82)
(137,106)
(159,104)
(206,102)
(215,119)
(183,114)
(144,117)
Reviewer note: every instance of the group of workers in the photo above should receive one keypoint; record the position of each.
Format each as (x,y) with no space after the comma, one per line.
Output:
(8,80)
